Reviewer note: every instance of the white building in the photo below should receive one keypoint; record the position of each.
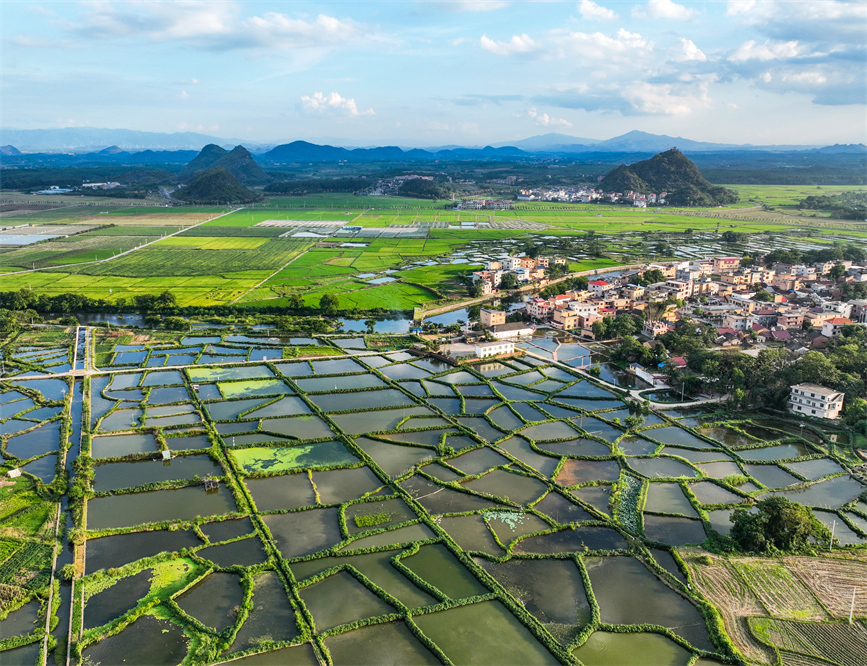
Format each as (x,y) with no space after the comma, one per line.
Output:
(486,349)
(513,330)
(815,400)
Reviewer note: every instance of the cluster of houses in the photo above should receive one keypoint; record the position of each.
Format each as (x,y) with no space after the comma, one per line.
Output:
(525,270)
(484,204)
(391,186)
(783,304)
(796,306)
(580,194)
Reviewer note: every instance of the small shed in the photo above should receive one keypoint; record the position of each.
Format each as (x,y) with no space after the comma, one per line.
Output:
(211,484)
(13,473)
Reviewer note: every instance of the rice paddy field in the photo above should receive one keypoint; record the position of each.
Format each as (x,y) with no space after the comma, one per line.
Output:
(387,253)
(382,506)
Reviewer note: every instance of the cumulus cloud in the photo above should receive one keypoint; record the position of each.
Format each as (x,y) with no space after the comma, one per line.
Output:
(823,21)
(332,104)
(750,50)
(213,26)
(623,47)
(544,120)
(665,99)
(679,96)
(518,45)
(471,5)
(687,51)
(664,9)
(590,11)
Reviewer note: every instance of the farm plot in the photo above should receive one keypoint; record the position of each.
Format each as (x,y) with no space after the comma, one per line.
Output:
(721,585)
(832,579)
(780,591)
(837,643)
(159,262)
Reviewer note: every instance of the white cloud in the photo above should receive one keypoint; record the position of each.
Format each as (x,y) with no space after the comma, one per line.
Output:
(665,99)
(332,104)
(770,50)
(183,95)
(472,5)
(624,47)
(731,106)
(805,78)
(687,51)
(664,9)
(197,127)
(825,21)
(590,11)
(518,45)
(214,26)
(544,120)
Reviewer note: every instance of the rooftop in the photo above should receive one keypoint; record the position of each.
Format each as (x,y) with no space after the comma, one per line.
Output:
(815,388)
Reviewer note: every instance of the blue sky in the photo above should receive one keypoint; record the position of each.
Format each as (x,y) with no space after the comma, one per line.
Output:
(433,73)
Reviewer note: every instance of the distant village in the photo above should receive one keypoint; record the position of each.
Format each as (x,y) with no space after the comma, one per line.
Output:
(792,302)
(590,195)
(799,307)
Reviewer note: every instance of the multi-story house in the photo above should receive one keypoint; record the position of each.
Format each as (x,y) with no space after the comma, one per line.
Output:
(490,317)
(725,264)
(815,400)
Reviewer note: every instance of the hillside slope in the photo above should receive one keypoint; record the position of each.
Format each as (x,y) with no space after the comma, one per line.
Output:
(671,172)
(239,162)
(215,186)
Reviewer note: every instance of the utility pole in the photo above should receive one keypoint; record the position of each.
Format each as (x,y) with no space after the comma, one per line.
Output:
(852,605)
(833,527)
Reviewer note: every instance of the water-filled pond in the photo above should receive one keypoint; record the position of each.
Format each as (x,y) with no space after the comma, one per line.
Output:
(673,531)
(389,643)
(156,506)
(117,551)
(271,618)
(617,583)
(779,452)
(608,649)
(213,601)
(340,599)
(112,476)
(668,498)
(153,641)
(482,634)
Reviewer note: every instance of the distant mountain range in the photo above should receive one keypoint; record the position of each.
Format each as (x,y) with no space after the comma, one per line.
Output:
(90,140)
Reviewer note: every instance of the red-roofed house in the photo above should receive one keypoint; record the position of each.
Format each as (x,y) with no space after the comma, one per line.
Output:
(725,264)
(678,362)
(832,327)
(599,287)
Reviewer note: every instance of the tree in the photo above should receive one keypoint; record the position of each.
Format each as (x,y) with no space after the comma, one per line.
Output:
(509,281)
(329,303)
(296,302)
(475,290)
(600,329)
(837,271)
(370,324)
(779,525)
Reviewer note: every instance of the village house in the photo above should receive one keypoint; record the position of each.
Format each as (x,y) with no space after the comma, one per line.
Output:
(725,264)
(489,317)
(487,349)
(815,400)
(832,327)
